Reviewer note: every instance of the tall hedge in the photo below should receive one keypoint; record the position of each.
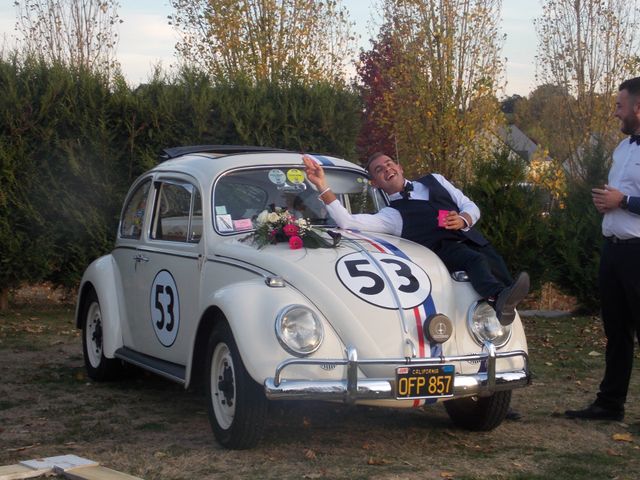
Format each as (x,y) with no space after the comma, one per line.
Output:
(71,142)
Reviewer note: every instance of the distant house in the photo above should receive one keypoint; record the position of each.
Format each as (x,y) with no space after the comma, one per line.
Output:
(518,142)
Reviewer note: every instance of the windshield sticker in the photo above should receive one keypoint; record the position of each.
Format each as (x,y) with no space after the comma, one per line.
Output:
(221,209)
(295,176)
(369,281)
(165,308)
(277,176)
(224,223)
(243,224)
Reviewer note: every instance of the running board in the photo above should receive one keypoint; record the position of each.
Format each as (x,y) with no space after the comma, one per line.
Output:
(172,371)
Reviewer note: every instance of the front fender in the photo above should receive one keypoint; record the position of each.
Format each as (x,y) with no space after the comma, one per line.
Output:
(103,276)
(251,308)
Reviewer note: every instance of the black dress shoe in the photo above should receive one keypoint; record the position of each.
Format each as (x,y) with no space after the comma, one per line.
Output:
(595,412)
(509,298)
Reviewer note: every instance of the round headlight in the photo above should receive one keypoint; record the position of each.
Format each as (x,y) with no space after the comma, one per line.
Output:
(299,330)
(484,325)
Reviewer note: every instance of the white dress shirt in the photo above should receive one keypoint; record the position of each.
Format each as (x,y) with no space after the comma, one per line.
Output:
(624,176)
(388,219)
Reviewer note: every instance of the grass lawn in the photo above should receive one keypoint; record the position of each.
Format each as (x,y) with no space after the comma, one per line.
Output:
(153,429)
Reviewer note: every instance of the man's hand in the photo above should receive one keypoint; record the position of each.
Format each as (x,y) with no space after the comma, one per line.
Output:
(315,173)
(454,221)
(606,199)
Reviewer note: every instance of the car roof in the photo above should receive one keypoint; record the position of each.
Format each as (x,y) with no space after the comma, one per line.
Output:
(206,162)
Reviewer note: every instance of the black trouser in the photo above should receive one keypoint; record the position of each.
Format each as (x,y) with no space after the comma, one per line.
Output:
(620,297)
(486,268)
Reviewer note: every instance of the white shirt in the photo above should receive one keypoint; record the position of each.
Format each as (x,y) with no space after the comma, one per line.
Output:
(624,176)
(388,219)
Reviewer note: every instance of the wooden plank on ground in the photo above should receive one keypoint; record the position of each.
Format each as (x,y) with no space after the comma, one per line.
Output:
(60,463)
(97,473)
(18,472)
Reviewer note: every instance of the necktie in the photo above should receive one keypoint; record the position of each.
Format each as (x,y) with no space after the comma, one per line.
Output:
(634,139)
(406,191)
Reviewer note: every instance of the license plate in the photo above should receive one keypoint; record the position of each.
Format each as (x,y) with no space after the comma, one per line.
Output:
(424,381)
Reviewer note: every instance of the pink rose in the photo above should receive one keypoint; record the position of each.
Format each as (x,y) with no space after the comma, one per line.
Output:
(290,230)
(295,242)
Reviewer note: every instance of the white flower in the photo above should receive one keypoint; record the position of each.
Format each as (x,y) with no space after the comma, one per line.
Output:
(273,217)
(302,223)
(263,217)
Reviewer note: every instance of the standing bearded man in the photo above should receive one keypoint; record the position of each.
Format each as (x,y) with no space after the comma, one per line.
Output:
(619,276)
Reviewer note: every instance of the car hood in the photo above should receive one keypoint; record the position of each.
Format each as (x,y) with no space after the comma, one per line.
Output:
(375,290)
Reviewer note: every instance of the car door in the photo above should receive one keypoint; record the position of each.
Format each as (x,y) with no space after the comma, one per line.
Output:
(127,255)
(168,271)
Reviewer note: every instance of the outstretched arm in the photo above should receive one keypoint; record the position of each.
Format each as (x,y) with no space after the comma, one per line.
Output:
(387,220)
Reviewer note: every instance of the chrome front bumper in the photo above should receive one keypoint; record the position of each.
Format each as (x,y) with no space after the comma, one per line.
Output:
(352,388)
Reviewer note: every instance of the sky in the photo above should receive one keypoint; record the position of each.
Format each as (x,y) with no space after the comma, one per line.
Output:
(146,39)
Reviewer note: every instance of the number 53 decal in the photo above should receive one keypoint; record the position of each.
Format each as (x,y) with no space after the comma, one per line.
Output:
(365,280)
(165,308)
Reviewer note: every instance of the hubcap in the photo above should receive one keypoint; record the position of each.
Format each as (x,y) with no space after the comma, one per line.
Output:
(223,388)
(93,334)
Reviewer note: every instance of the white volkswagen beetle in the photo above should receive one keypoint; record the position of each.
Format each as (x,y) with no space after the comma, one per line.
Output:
(194,293)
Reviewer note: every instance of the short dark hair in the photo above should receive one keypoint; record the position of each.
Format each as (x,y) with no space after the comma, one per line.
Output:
(632,85)
(372,157)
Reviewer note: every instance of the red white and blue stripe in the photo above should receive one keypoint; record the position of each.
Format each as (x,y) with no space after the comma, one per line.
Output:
(419,313)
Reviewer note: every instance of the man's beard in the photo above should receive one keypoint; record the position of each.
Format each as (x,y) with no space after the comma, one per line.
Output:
(630,125)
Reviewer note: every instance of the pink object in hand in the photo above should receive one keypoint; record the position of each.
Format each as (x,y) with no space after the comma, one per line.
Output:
(442,218)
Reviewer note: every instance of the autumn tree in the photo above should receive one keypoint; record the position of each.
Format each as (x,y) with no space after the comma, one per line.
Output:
(587,47)
(78,33)
(444,81)
(374,71)
(274,40)
(541,116)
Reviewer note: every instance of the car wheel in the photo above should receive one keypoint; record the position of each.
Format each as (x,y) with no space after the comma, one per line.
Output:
(479,413)
(98,366)
(237,405)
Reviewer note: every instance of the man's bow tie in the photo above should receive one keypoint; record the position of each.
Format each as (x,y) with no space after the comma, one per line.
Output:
(406,191)
(634,139)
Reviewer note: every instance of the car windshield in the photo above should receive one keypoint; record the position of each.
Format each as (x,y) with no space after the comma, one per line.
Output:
(240,196)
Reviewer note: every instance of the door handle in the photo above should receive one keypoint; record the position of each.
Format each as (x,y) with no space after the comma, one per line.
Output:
(140,258)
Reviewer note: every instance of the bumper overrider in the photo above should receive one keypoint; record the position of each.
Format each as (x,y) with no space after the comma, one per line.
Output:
(352,388)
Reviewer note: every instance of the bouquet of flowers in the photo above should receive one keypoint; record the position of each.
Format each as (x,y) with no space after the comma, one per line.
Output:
(281,226)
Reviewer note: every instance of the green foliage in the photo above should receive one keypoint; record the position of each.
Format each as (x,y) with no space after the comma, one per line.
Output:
(576,232)
(71,144)
(513,214)
(57,129)
(314,118)
(24,242)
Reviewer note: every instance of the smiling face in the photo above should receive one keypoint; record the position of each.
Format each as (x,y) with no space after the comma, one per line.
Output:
(628,112)
(386,174)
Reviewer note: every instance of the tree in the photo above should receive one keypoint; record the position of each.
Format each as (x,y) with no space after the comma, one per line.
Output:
(378,120)
(78,33)
(587,47)
(444,80)
(508,104)
(275,40)
(542,117)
